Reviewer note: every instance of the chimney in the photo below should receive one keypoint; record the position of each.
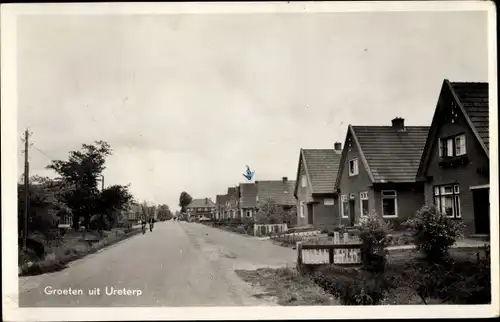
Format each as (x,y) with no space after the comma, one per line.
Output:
(285,179)
(338,146)
(398,123)
(206,201)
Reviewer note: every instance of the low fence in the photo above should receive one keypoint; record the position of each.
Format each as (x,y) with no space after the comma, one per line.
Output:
(267,229)
(345,251)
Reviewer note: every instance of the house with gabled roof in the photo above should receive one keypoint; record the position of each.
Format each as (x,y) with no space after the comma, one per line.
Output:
(201,209)
(247,199)
(232,203)
(455,162)
(377,172)
(278,192)
(220,206)
(314,188)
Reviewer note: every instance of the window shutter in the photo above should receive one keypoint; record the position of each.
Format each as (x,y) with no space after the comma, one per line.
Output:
(440,147)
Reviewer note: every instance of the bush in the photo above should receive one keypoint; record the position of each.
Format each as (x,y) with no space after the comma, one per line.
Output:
(351,286)
(434,233)
(373,233)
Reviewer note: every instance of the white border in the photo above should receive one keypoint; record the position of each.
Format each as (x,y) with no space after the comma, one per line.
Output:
(9,162)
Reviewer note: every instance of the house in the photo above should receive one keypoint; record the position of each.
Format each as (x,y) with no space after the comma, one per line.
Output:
(278,192)
(247,199)
(314,189)
(455,162)
(220,204)
(232,203)
(201,209)
(377,172)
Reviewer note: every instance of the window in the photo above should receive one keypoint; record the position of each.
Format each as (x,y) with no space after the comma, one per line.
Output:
(353,167)
(302,206)
(329,202)
(304,181)
(249,213)
(452,146)
(389,203)
(447,200)
(345,206)
(363,196)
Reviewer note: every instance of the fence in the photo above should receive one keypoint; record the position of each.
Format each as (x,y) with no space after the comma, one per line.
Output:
(342,252)
(267,229)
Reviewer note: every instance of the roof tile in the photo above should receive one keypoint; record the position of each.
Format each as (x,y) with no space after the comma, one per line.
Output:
(322,166)
(392,155)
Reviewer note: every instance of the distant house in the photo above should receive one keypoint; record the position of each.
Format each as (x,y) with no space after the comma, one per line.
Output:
(201,209)
(220,204)
(247,199)
(314,189)
(377,172)
(455,162)
(279,192)
(232,203)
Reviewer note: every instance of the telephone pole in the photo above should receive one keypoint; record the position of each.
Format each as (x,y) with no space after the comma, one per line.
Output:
(26,187)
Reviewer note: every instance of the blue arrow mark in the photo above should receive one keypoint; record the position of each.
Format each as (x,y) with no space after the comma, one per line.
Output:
(249,173)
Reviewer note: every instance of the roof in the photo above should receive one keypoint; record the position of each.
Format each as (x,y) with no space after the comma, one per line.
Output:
(391,155)
(278,191)
(201,203)
(474,99)
(248,193)
(321,167)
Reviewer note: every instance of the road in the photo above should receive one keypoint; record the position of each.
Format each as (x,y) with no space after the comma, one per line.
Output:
(178,264)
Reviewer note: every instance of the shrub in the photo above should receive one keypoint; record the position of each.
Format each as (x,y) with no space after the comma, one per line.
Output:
(352,287)
(373,233)
(434,233)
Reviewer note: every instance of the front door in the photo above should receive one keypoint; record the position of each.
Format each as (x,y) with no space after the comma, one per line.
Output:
(481,199)
(310,216)
(352,214)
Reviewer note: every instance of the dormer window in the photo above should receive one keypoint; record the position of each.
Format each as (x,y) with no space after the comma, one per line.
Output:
(453,146)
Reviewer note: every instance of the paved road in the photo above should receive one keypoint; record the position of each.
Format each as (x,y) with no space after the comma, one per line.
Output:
(178,264)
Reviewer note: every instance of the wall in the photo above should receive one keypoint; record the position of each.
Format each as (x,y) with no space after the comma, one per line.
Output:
(354,184)
(303,194)
(325,216)
(410,198)
(465,175)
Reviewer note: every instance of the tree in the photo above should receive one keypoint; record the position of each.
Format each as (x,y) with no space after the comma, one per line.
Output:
(164,213)
(271,213)
(80,173)
(184,200)
(111,202)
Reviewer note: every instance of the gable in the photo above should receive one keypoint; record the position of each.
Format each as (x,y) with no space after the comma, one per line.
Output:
(449,106)
(350,143)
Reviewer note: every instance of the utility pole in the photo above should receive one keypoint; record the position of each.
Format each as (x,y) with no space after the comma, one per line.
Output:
(26,187)
(102,182)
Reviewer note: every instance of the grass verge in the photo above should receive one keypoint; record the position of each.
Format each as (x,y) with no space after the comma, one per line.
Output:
(70,254)
(287,286)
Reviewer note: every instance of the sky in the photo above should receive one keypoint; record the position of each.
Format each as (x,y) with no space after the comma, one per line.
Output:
(186,101)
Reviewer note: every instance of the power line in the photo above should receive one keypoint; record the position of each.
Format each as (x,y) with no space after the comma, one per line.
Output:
(42,152)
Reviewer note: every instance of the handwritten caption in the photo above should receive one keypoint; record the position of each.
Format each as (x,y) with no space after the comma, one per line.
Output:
(96,291)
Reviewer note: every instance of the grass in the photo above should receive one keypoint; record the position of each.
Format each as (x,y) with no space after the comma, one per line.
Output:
(287,286)
(69,251)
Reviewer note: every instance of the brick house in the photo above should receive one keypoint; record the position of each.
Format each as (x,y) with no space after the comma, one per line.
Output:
(377,172)
(279,192)
(232,203)
(201,209)
(455,162)
(220,204)
(314,189)
(247,199)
